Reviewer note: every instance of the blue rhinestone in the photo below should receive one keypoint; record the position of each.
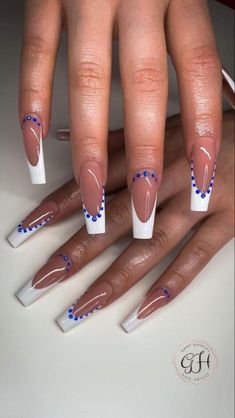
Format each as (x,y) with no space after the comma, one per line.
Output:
(197,191)
(28,117)
(84,210)
(211,184)
(71,316)
(38,124)
(75,318)
(99,215)
(70,310)
(153,175)
(40,224)
(138,175)
(203,195)
(66,258)
(102,200)
(30,229)
(88,216)
(94,219)
(19,225)
(192,178)
(194,184)
(101,208)
(34,119)
(36,226)
(19,229)
(208,191)
(81,317)
(146,173)
(25,230)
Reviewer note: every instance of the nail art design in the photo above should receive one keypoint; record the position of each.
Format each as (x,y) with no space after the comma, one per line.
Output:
(93,196)
(55,270)
(144,202)
(95,298)
(154,300)
(33,222)
(203,168)
(32,134)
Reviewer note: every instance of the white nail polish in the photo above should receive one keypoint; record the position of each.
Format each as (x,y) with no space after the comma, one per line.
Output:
(143,230)
(29,294)
(37,172)
(200,200)
(131,322)
(68,320)
(96,224)
(19,235)
(229,80)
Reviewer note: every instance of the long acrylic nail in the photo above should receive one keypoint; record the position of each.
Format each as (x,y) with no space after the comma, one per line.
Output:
(90,302)
(55,270)
(144,200)
(32,135)
(154,300)
(203,166)
(93,196)
(40,217)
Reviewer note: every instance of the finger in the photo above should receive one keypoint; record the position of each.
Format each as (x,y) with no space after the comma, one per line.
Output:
(143,68)
(63,202)
(90,44)
(40,43)
(138,258)
(193,50)
(212,235)
(115,138)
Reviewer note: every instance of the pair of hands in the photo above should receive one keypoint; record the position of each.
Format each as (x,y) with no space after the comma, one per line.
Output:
(173,221)
(146,30)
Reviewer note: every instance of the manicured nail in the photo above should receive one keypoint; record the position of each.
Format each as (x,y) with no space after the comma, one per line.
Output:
(63,134)
(143,200)
(203,166)
(93,196)
(54,271)
(154,300)
(90,302)
(32,134)
(228,88)
(40,216)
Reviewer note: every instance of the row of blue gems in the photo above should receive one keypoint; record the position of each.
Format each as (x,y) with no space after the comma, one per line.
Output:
(197,191)
(25,230)
(144,174)
(67,260)
(76,318)
(165,291)
(33,119)
(99,215)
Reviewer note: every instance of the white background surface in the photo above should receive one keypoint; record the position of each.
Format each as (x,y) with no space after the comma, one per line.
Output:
(97,371)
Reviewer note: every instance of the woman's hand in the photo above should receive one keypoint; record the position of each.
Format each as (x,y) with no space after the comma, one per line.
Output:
(174,220)
(146,31)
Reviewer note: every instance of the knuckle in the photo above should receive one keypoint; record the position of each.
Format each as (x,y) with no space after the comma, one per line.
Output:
(88,75)
(35,48)
(160,239)
(149,77)
(203,62)
(201,251)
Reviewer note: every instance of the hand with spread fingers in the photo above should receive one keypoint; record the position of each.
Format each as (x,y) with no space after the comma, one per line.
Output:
(147,30)
(174,219)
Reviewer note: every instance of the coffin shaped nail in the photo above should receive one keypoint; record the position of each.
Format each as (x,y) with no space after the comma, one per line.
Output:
(38,218)
(203,167)
(55,270)
(93,196)
(90,302)
(143,200)
(154,300)
(32,135)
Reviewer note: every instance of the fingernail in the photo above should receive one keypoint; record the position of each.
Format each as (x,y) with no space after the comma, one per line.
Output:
(55,270)
(63,134)
(203,166)
(90,302)
(93,196)
(32,135)
(40,217)
(143,200)
(153,301)
(228,88)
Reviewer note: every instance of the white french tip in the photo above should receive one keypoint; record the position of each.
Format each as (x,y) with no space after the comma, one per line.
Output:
(143,230)
(131,322)
(96,224)
(19,235)
(229,80)
(200,201)
(28,294)
(68,320)
(37,172)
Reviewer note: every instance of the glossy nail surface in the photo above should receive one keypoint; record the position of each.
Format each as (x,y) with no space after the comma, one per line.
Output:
(38,218)
(154,300)
(55,270)
(144,199)
(91,301)
(32,135)
(93,196)
(203,166)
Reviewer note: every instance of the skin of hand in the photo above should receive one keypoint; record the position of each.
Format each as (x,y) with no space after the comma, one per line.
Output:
(146,30)
(210,232)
